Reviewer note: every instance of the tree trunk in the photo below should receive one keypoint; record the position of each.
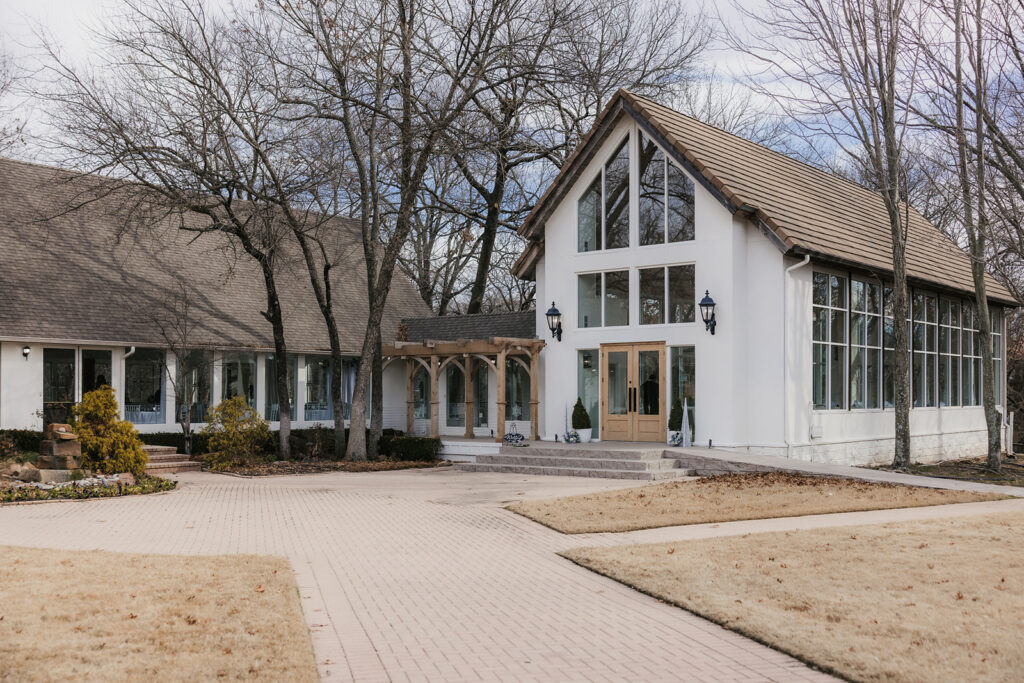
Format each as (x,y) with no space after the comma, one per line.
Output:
(376,404)
(337,403)
(901,380)
(483,265)
(276,319)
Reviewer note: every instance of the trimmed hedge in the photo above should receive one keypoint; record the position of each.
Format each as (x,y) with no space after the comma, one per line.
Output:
(301,442)
(24,439)
(414,448)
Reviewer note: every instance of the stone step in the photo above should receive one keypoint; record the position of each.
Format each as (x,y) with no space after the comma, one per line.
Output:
(159,450)
(582,451)
(168,457)
(159,468)
(568,461)
(640,475)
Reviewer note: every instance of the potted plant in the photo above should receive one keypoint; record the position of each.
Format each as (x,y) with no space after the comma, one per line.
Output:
(675,423)
(581,421)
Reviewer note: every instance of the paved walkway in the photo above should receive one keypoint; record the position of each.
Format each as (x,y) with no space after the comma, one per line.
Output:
(420,575)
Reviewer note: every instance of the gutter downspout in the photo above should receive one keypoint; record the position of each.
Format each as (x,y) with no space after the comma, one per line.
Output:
(785,352)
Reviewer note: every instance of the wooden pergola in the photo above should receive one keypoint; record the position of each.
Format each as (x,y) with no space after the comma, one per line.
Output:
(434,356)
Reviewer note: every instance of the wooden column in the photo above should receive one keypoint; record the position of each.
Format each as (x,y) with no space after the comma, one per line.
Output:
(410,400)
(435,403)
(500,432)
(467,372)
(534,392)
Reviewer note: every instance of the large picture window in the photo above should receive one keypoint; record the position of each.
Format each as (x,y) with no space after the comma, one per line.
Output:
(683,384)
(865,344)
(238,376)
(949,353)
(317,405)
(195,381)
(144,387)
(421,393)
(58,384)
(663,184)
(602,213)
(944,356)
(829,341)
(603,299)
(273,403)
(924,334)
(517,390)
(455,383)
(673,284)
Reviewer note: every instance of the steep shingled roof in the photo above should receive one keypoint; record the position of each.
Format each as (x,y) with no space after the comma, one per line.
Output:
(520,325)
(802,209)
(68,276)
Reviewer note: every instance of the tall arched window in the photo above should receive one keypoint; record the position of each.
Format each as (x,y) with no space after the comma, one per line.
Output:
(421,394)
(517,391)
(455,384)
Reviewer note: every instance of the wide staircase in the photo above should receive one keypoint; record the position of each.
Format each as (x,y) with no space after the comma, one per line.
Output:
(580,461)
(167,460)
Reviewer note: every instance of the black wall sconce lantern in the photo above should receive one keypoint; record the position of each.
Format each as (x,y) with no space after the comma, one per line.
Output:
(25,351)
(555,321)
(707,312)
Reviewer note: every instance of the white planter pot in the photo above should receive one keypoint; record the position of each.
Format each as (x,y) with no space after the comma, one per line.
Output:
(584,434)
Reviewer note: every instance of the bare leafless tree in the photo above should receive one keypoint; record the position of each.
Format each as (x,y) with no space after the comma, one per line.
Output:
(393,76)
(841,68)
(11,126)
(176,109)
(728,104)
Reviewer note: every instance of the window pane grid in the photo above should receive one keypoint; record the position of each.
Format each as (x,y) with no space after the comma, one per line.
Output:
(829,341)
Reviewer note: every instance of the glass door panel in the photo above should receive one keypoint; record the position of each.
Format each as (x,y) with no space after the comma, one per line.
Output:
(650,383)
(618,383)
(58,385)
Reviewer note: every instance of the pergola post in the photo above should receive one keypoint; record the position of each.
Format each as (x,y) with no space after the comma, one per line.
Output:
(435,403)
(534,392)
(410,401)
(501,394)
(467,366)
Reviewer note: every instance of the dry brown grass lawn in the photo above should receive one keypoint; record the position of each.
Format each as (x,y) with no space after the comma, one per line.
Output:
(936,600)
(728,498)
(71,615)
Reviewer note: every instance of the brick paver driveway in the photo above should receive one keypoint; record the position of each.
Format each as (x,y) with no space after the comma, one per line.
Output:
(420,575)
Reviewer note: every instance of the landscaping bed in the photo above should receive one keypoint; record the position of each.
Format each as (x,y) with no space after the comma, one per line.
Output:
(910,601)
(99,487)
(69,615)
(1011,471)
(727,498)
(312,467)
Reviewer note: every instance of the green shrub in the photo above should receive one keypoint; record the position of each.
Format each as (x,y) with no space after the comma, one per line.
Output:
(236,434)
(417,448)
(8,451)
(580,417)
(109,444)
(24,439)
(675,416)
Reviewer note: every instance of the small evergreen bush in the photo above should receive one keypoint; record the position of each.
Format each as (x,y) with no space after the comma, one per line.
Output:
(24,439)
(235,434)
(675,416)
(109,445)
(417,448)
(580,417)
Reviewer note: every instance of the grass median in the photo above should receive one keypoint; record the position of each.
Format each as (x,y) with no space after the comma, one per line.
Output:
(911,601)
(68,615)
(729,498)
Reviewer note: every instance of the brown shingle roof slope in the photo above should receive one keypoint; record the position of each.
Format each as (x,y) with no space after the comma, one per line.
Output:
(68,277)
(809,210)
(519,325)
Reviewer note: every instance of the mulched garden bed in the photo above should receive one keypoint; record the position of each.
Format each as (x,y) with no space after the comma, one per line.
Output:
(1011,471)
(315,466)
(143,484)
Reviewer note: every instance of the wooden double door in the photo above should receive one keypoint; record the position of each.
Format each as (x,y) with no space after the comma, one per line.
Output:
(633,392)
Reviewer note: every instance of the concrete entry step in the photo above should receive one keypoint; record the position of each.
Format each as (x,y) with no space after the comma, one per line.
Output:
(159,450)
(566,461)
(640,475)
(585,451)
(182,465)
(168,457)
